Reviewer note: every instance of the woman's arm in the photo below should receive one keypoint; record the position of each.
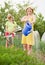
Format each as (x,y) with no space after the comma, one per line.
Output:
(6,26)
(24,19)
(34,19)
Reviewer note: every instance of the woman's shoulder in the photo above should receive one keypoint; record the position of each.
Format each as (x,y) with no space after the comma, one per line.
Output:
(7,23)
(15,23)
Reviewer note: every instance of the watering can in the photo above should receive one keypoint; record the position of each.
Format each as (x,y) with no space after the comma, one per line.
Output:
(27,28)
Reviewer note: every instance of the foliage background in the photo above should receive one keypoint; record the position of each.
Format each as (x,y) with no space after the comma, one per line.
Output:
(40,22)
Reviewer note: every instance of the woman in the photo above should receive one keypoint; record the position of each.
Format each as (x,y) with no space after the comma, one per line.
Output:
(28,41)
(10,27)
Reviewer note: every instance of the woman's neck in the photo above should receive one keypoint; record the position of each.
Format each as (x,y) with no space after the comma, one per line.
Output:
(10,20)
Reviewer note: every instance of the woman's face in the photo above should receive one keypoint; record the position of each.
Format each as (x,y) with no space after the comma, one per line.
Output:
(12,19)
(29,11)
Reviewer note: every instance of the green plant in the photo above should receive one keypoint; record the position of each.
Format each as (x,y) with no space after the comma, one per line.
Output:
(40,24)
(13,56)
(42,46)
(17,42)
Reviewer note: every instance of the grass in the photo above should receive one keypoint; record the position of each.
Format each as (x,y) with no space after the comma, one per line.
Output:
(13,56)
(16,55)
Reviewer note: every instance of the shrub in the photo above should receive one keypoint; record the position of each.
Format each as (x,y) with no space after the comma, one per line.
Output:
(40,24)
(17,57)
(42,47)
(17,42)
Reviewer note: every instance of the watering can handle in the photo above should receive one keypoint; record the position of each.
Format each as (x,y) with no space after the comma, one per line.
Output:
(29,31)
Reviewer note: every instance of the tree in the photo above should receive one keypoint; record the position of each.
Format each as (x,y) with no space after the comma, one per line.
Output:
(40,24)
(3,15)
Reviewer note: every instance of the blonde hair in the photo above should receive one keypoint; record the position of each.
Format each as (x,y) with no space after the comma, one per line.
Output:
(30,8)
(9,16)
